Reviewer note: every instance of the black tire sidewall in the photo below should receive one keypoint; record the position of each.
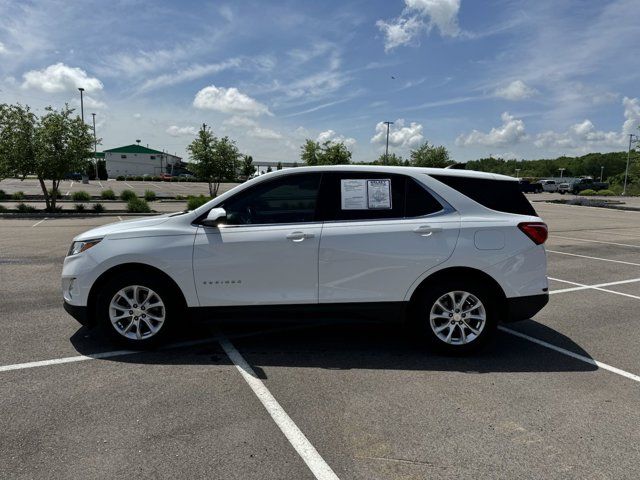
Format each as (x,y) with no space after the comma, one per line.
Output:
(422,308)
(122,280)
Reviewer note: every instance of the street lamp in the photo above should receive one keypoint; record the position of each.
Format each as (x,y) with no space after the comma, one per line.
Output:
(81,103)
(561,171)
(626,172)
(95,145)
(386,150)
(601,172)
(517,173)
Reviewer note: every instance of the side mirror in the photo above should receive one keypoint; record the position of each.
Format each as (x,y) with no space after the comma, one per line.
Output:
(215,217)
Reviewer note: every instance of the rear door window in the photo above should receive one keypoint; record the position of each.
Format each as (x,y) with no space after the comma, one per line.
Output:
(340,191)
(501,195)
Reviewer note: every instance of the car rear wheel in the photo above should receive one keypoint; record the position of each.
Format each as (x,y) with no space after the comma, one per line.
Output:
(136,311)
(456,318)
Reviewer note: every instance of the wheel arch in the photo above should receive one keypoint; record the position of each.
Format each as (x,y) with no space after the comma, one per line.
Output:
(471,274)
(97,286)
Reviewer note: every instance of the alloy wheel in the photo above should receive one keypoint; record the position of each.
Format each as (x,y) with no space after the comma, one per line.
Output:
(457,317)
(137,312)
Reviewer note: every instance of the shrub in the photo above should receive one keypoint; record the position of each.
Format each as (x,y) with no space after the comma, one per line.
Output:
(3,209)
(18,196)
(127,195)
(54,193)
(605,193)
(588,192)
(138,178)
(24,208)
(80,196)
(195,202)
(79,207)
(120,178)
(3,195)
(98,208)
(156,179)
(108,195)
(149,195)
(138,205)
(180,197)
(55,209)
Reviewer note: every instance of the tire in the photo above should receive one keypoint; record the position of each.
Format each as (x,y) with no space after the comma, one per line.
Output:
(137,324)
(434,311)
(562,192)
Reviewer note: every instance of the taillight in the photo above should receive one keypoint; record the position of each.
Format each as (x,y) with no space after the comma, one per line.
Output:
(536,231)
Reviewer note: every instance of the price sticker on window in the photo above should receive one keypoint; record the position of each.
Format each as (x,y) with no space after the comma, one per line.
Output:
(379,194)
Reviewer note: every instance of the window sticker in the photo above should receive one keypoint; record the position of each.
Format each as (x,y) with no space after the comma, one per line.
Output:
(379,194)
(363,194)
(354,194)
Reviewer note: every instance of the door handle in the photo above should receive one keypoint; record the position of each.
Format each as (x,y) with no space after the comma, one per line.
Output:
(426,230)
(299,236)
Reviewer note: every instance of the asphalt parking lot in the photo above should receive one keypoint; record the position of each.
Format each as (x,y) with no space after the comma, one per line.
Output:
(558,396)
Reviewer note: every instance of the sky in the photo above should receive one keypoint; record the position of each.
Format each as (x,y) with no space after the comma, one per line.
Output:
(514,79)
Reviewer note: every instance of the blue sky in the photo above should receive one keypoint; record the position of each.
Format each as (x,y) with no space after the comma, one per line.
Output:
(516,79)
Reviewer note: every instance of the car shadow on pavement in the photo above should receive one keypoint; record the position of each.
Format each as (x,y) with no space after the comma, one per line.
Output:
(343,344)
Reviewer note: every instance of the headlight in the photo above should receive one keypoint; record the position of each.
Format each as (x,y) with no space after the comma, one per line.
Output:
(79,247)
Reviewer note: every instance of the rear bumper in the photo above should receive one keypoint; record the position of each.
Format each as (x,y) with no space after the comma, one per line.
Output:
(523,308)
(79,313)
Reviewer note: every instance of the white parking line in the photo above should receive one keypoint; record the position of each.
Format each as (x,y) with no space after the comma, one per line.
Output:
(586,287)
(128,185)
(596,241)
(595,287)
(38,223)
(298,440)
(569,353)
(594,258)
(100,183)
(119,218)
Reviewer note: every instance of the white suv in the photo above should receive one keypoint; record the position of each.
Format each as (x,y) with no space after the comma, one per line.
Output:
(453,251)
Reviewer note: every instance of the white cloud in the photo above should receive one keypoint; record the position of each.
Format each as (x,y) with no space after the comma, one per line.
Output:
(238,121)
(509,133)
(399,135)
(264,133)
(419,15)
(585,137)
(333,137)
(137,116)
(252,128)
(187,74)
(60,78)
(631,115)
(3,49)
(516,90)
(228,100)
(176,131)
(90,102)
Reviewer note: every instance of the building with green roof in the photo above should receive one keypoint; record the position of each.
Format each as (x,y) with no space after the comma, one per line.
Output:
(136,160)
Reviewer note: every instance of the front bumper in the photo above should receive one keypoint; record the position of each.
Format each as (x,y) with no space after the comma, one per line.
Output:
(523,308)
(80,313)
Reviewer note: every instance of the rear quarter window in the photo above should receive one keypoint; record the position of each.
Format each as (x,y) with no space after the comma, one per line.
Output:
(501,195)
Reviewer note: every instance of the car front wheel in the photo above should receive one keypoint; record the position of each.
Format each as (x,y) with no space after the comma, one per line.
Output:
(135,310)
(456,318)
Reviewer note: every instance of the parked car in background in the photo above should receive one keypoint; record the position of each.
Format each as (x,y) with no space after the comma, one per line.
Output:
(530,187)
(321,238)
(581,184)
(187,176)
(166,177)
(549,185)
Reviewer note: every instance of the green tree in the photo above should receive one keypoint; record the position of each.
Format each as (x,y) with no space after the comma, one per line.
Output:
(248,168)
(214,159)
(329,153)
(269,169)
(310,152)
(17,140)
(391,159)
(427,155)
(279,166)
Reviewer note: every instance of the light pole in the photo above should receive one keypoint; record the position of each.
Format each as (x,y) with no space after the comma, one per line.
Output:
(95,145)
(626,172)
(81,103)
(517,173)
(386,150)
(601,172)
(561,171)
